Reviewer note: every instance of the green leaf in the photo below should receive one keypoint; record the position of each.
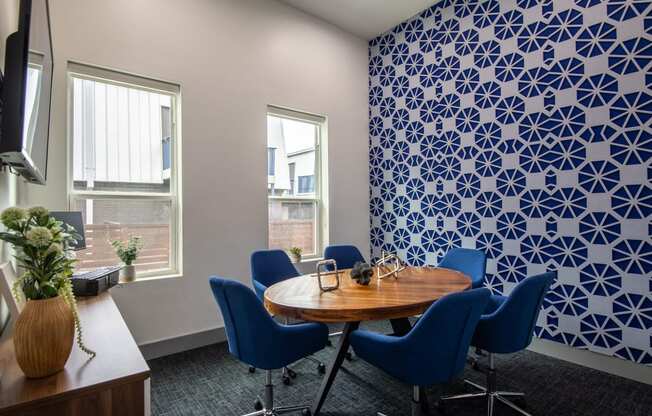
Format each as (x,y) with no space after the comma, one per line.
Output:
(15,239)
(30,291)
(49,290)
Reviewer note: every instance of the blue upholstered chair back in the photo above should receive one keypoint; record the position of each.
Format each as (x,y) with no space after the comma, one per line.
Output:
(472,263)
(510,327)
(245,319)
(434,351)
(254,337)
(441,337)
(344,255)
(269,267)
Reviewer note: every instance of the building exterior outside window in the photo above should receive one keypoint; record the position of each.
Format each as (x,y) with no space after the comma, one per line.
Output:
(296,199)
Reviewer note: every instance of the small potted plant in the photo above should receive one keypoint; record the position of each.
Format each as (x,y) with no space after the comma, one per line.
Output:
(45,329)
(295,253)
(128,253)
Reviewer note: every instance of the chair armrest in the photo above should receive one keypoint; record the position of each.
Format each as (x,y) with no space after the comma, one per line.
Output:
(259,288)
(373,346)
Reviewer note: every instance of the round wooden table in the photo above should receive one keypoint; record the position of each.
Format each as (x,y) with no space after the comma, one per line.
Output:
(394,299)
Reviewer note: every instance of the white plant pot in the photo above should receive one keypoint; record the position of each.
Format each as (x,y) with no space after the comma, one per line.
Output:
(296,259)
(128,273)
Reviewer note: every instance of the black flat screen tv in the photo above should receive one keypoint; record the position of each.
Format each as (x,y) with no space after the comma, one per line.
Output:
(26,93)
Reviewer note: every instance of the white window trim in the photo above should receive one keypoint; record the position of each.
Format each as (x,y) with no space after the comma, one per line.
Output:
(121,78)
(321,180)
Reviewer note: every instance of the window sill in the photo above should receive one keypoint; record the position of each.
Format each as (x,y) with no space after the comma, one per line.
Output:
(307,266)
(149,279)
(310,260)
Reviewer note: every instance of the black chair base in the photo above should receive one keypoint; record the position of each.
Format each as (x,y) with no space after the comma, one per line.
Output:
(321,367)
(490,397)
(280,410)
(266,407)
(418,404)
(288,374)
(489,393)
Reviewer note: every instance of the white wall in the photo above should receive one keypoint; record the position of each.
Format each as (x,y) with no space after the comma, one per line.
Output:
(232,58)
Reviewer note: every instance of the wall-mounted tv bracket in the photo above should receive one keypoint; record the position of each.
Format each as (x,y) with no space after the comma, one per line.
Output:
(392,260)
(323,270)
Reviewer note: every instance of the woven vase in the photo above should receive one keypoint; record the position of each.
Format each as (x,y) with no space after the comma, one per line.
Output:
(43,336)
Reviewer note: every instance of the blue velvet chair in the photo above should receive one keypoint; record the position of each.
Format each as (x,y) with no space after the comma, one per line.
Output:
(506,327)
(269,267)
(434,351)
(344,255)
(472,263)
(258,340)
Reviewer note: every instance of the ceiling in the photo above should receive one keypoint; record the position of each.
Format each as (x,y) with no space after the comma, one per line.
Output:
(364,18)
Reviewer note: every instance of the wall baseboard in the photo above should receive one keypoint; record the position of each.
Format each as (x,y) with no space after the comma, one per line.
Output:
(163,347)
(611,365)
(586,358)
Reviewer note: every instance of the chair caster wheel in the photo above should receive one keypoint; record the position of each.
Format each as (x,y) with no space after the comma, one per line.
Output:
(258,405)
(329,343)
(252,370)
(349,356)
(321,368)
(291,373)
(306,412)
(475,366)
(286,380)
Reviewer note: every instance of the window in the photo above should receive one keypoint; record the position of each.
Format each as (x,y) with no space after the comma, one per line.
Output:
(306,184)
(271,161)
(124,171)
(298,211)
(296,197)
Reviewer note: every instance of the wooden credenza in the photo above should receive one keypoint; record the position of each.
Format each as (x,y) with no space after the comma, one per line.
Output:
(115,382)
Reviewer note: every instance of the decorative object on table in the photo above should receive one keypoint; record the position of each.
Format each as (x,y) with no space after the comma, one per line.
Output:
(46,326)
(327,267)
(7,279)
(362,273)
(94,282)
(295,253)
(128,253)
(387,258)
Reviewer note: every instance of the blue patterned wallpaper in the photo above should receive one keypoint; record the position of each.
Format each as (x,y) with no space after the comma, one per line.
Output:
(523,128)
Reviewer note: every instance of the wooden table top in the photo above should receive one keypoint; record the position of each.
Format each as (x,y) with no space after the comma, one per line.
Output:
(118,360)
(415,289)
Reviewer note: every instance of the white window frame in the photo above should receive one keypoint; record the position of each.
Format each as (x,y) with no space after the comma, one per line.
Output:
(173,196)
(321,234)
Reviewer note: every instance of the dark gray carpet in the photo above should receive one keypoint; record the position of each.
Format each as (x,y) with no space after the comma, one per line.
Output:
(209,381)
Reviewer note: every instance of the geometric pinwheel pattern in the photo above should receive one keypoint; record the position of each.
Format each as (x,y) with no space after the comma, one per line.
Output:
(524,129)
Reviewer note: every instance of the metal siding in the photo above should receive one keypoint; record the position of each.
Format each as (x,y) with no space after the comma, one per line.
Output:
(117,133)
